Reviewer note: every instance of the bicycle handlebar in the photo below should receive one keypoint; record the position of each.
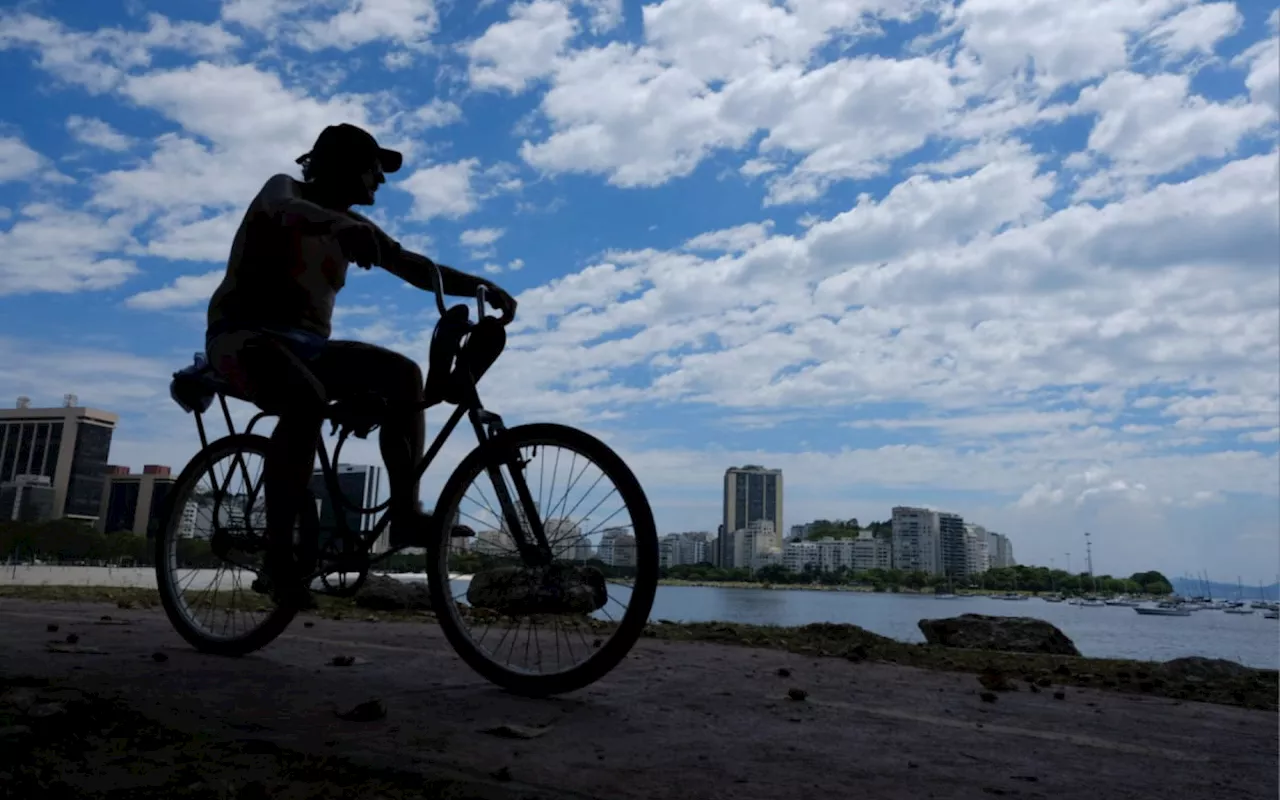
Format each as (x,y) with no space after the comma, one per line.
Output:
(439,293)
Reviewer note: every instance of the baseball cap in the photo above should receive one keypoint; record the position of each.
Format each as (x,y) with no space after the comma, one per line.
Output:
(352,143)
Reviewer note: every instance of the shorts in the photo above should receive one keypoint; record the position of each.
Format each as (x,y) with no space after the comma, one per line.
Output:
(287,371)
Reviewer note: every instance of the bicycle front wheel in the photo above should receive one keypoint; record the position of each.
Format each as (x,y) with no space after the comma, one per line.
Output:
(541,630)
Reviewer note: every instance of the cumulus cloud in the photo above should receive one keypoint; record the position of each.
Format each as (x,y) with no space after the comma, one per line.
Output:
(96,133)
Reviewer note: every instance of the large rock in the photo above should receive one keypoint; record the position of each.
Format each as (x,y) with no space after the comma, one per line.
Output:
(1213,670)
(555,589)
(1008,634)
(381,593)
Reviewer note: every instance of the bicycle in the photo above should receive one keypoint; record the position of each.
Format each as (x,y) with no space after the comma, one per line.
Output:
(535,585)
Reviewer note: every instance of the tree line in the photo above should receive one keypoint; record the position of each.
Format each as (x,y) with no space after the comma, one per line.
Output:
(1001,579)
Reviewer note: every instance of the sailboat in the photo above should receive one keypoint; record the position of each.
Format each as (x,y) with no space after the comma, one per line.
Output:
(1091,600)
(948,594)
(1238,607)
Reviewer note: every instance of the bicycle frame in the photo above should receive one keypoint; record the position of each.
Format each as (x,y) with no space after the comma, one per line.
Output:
(488,426)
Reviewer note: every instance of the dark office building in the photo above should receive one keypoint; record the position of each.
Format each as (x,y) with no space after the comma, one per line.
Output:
(28,498)
(360,485)
(67,445)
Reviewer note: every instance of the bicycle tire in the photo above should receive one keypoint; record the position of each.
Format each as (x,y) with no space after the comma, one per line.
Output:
(279,619)
(629,630)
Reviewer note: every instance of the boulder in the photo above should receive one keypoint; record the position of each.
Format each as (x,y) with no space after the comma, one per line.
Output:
(1008,634)
(381,593)
(1210,670)
(556,589)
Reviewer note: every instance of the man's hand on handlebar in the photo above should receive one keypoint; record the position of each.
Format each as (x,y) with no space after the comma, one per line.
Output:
(497,297)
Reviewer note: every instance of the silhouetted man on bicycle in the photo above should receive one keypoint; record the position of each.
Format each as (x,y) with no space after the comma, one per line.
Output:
(269,323)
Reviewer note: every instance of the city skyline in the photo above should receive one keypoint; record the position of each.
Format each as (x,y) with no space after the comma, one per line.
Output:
(369,477)
(910,254)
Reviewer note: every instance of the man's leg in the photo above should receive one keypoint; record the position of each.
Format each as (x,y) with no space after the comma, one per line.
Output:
(277,381)
(348,368)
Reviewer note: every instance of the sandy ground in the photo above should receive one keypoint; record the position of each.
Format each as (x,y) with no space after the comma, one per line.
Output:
(675,720)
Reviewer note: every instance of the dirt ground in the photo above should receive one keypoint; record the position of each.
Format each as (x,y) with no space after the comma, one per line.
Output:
(693,720)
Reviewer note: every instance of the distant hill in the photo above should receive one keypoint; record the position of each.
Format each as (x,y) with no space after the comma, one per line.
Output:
(1190,587)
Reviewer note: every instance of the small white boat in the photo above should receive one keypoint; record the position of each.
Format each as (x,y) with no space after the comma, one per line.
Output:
(1163,610)
(1237,610)
(1088,602)
(945,597)
(1271,615)
(1122,601)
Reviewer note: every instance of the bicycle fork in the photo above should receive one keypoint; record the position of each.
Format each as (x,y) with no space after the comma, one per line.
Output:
(520,512)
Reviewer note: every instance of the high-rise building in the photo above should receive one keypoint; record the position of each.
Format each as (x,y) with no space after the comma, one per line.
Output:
(953,558)
(67,445)
(1000,549)
(751,493)
(133,502)
(360,485)
(916,544)
(26,498)
(977,557)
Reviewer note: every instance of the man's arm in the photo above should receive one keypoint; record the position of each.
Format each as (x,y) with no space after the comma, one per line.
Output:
(416,270)
(283,201)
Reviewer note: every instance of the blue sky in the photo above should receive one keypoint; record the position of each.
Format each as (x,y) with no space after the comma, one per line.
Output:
(1015,259)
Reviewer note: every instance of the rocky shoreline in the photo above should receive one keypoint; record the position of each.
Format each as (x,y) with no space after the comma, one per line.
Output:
(998,670)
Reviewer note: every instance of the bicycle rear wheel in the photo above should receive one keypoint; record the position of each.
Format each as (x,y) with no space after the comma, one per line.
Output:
(215,529)
(602,556)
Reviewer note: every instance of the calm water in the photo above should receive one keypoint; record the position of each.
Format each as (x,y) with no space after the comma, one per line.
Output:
(1102,632)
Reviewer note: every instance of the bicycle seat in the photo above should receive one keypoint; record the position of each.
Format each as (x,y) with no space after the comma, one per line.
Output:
(194,387)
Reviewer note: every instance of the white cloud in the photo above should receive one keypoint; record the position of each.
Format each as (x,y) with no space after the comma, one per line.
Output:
(1151,125)
(732,240)
(49,248)
(406,22)
(1196,29)
(100,59)
(511,54)
(436,114)
(1047,43)
(620,111)
(1263,62)
(181,239)
(442,190)
(605,15)
(96,133)
(17,160)
(186,290)
(480,237)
